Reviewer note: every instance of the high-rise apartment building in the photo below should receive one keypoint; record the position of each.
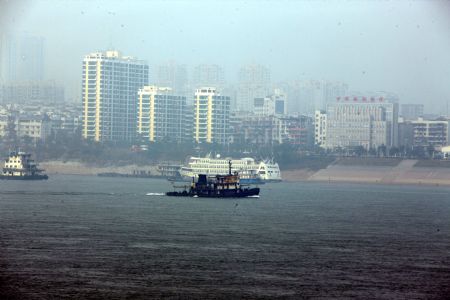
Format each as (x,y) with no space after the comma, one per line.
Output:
(254,82)
(21,57)
(211,116)
(369,122)
(110,91)
(161,115)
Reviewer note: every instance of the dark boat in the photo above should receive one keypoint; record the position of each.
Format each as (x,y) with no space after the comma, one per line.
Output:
(25,177)
(219,186)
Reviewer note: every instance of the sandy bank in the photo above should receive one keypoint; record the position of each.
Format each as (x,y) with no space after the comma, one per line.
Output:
(78,168)
(403,173)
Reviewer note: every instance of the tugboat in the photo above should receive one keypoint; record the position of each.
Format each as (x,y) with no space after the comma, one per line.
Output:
(219,186)
(20,166)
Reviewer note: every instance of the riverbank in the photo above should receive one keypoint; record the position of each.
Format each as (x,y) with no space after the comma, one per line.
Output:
(358,171)
(403,172)
(79,168)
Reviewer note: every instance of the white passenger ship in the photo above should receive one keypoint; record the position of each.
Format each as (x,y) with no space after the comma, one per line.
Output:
(247,167)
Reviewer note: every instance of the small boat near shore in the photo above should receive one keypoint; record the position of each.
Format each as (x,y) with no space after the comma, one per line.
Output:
(20,166)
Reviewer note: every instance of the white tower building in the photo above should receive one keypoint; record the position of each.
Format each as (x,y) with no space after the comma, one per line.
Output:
(110,92)
(161,115)
(211,116)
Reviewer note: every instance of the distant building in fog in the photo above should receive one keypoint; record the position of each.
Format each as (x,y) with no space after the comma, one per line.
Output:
(307,96)
(110,91)
(211,116)
(369,122)
(253,82)
(274,104)
(31,92)
(21,57)
(208,75)
(411,111)
(173,75)
(161,115)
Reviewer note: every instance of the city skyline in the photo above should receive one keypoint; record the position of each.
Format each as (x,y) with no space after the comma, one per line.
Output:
(404,53)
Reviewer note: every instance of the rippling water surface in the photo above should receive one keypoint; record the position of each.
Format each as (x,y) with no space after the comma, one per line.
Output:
(94,237)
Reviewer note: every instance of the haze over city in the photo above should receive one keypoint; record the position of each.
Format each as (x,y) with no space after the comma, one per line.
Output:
(396,46)
(201,149)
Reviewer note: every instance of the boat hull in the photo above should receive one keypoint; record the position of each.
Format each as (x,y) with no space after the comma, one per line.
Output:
(25,177)
(251,181)
(241,193)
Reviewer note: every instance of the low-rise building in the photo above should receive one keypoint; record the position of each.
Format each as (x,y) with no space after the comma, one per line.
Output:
(430,132)
(35,127)
(446,152)
(38,121)
(270,130)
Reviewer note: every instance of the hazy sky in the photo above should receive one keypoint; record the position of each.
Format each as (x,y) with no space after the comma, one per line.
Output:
(396,46)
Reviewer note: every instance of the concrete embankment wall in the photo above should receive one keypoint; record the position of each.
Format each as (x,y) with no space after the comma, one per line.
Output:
(405,172)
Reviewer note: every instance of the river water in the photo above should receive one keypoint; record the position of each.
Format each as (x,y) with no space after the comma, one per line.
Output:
(85,237)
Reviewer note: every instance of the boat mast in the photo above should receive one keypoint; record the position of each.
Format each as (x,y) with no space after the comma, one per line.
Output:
(229,167)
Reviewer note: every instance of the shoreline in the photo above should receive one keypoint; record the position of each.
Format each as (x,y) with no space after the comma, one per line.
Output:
(79,168)
(403,174)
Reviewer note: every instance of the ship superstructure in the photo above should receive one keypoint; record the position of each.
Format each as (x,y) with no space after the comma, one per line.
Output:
(19,165)
(265,170)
